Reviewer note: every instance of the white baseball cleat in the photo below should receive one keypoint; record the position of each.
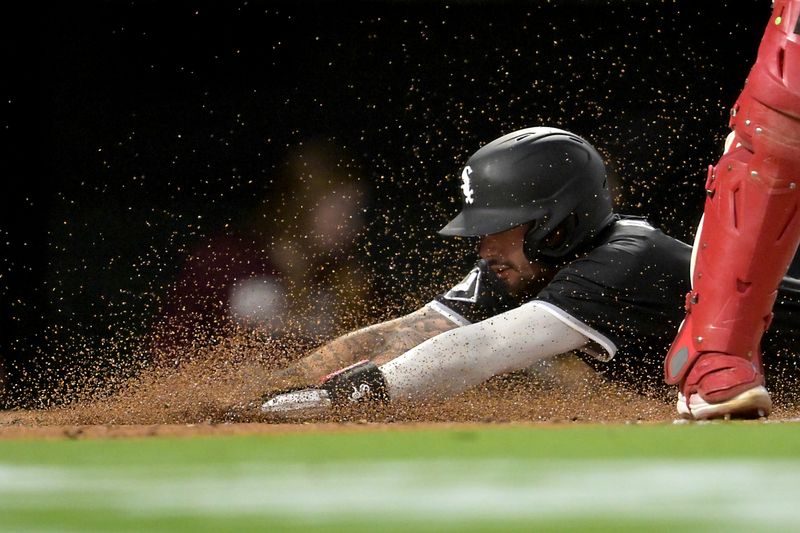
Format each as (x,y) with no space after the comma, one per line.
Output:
(752,403)
(299,403)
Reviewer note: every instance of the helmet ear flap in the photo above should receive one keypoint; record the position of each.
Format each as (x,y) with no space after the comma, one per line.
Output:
(530,244)
(549,247)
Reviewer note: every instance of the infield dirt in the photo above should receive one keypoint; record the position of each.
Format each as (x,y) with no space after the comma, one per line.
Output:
(219,396)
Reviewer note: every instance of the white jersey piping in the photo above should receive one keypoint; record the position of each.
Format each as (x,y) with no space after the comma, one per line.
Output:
(448,313)
(604,342)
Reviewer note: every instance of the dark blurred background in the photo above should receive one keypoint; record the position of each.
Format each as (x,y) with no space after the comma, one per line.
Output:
(136,129)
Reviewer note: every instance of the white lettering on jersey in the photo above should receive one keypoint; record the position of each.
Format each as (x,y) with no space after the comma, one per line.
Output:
(466,186)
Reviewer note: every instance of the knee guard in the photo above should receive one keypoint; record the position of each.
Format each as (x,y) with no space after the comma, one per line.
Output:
(751,225)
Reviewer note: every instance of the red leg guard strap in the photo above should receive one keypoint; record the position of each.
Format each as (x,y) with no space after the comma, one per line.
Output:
(720,378)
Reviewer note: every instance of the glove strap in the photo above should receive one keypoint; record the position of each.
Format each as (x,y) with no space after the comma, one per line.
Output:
(357,383)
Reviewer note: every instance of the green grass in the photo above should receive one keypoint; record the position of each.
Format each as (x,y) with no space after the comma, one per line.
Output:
(734,476)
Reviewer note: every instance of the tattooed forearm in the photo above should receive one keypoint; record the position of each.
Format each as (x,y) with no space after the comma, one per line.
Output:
(412,332)
(380,343)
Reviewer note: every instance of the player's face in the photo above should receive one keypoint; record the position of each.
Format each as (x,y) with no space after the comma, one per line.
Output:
(506,256)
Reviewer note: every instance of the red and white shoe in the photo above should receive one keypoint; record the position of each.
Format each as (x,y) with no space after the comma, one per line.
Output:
(723,386)
(753,403)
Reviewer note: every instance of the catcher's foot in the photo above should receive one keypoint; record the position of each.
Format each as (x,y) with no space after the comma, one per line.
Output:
(753,403)
(723,386)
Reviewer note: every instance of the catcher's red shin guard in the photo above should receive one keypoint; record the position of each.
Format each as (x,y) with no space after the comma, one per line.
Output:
(749,234)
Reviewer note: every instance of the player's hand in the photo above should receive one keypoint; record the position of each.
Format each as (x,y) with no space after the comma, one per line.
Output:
(359,383)
(298,404)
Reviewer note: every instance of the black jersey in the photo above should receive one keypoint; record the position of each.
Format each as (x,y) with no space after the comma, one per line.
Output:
(626,295)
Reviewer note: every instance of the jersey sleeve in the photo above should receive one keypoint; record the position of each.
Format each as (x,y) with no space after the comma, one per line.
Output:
(620,295)
(480,295)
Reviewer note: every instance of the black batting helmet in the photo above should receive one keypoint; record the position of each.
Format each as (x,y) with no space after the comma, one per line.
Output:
(547,176)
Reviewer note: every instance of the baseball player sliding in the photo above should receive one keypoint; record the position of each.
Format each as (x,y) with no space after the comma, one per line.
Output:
(560,272)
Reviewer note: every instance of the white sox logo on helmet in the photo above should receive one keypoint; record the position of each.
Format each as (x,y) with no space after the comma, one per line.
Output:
(466,186)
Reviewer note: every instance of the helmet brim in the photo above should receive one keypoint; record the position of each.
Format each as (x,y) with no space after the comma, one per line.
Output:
(479,221)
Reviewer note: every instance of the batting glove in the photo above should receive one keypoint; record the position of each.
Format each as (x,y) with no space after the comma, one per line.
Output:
(358,383)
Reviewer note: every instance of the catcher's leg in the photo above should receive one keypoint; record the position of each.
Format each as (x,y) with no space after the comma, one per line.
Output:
(749,234)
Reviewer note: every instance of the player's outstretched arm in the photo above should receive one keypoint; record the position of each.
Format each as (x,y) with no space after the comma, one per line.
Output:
(444,365)
(379,343)
(460,359)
